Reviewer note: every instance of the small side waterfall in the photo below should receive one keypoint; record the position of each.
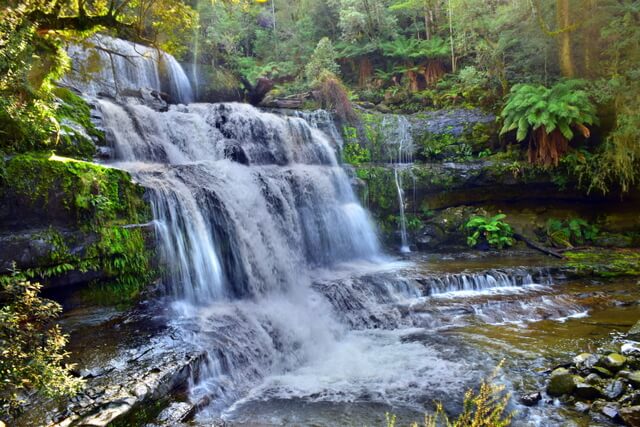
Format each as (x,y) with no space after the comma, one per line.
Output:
(397,131)
(114,67)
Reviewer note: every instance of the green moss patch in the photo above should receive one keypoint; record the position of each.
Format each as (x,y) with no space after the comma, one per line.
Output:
(605,263)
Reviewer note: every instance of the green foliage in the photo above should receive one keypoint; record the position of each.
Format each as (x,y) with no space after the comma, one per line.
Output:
(564,106)
(494,231)
(484,408)
(32,346)
(355,155)
(410,48)
(322,60)
(103,202)
(570,232)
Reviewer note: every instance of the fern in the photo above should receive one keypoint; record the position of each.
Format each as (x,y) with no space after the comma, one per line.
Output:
(550,116)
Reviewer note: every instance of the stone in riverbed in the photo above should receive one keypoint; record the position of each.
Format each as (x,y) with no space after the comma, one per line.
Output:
(587,391)
(585,361)
(531,399)
(630,349)
(614,390)
(634,378)
(631,415)
(634,332)
(611,411)
(593,379)
(613,361)
(562,381)
(603,372)
(582,407)
(631,399)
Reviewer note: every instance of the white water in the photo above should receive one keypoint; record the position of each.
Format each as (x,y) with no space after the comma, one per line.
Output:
(397,132)
(105,65)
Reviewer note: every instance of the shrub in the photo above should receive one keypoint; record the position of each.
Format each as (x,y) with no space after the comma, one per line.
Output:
(569,232)
(355,155)
(331,93)
(549,117)
(32,346)
(486,408)
(493,231)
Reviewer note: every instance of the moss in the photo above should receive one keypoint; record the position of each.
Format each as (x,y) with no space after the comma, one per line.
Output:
(605,263)
(101,202)
(92,194)
(76,127)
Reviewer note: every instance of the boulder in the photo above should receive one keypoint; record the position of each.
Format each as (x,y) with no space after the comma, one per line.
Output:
(562,382)
(587,391)
(634,378)
(613,361)
(630,415)
(614,390)
(582,407)
(585,361)
(603,372)
(531,399)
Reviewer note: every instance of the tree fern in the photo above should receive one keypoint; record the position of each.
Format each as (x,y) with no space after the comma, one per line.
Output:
(550,116)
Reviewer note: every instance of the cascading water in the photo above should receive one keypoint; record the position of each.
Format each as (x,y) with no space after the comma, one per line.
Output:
(397,130)
(113,67)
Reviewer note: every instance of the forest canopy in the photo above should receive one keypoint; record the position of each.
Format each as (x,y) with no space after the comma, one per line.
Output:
(406,54)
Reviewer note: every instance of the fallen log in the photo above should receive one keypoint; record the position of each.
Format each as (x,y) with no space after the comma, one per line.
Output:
(536,246)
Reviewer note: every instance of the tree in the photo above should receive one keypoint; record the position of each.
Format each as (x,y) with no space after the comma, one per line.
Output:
(322,60)
(31,346)
(549,117)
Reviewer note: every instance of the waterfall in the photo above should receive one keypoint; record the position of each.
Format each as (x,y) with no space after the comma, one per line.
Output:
(397,132)
(115,67)
(246,200)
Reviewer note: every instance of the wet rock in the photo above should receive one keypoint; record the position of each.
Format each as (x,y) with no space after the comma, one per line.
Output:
(608,409)
(430,237)
(593,379)
(634,332)
(562,382)
(614,390)
(587,391)
(613,361)
(585,361)
(630,415)
(176,413)
(630,349)
(634,378)
(531,399)
(631,399)
(603,372)
(582,407)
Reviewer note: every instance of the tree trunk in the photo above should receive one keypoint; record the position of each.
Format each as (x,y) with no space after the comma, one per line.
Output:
(566,60)
(453,56)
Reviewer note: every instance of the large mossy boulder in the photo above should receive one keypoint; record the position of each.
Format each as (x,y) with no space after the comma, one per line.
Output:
(562,382)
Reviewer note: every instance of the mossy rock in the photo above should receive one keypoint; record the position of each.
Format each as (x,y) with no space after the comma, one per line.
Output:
(613,361)
(100,211)
(562,382)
